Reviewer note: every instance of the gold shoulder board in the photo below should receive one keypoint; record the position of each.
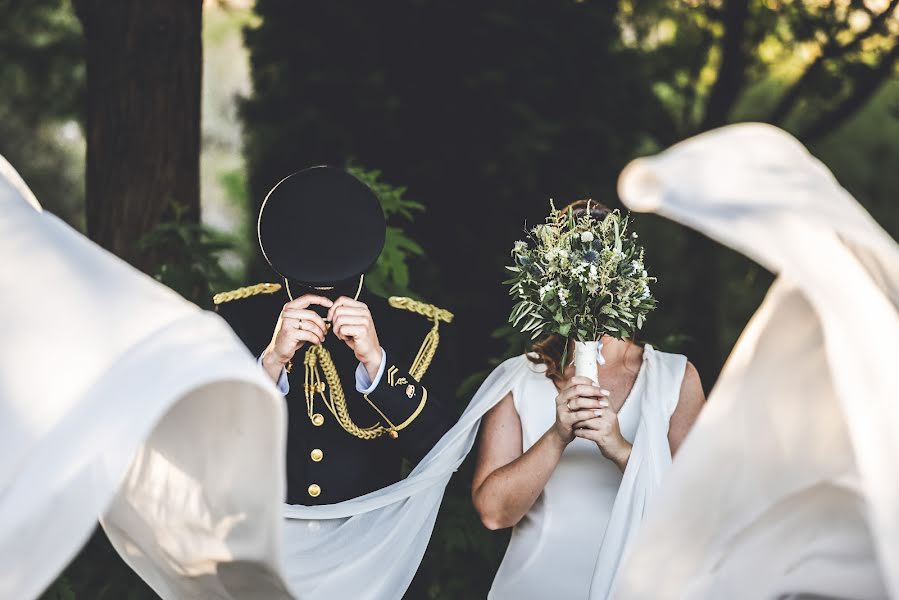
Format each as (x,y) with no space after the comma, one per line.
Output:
(246,292)
(421,308)
(432,339)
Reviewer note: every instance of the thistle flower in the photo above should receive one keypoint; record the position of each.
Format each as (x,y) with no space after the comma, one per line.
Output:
(591,256)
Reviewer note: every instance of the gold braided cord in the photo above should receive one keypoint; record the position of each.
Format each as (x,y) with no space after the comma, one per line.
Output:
(246,292)
(414,415)
(422,308)
(426,352)
(319,356)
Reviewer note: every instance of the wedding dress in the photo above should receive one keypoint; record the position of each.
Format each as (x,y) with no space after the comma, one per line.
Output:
(555,548)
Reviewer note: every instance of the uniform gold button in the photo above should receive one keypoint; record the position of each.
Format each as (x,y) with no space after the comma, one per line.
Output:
(317,455)
(318,420)
(314,490)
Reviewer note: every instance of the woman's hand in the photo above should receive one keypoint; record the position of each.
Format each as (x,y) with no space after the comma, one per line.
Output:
(575,404)
(604,430)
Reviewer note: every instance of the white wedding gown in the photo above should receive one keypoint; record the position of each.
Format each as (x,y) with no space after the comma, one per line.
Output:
(554,548)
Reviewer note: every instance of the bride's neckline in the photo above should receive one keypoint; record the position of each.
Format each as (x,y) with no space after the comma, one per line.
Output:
(638,380)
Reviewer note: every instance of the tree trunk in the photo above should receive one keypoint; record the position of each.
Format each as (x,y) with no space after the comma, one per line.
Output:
(144,71)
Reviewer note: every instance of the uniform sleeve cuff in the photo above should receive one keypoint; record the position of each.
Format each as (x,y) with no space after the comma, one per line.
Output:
(363,384)
(283,384)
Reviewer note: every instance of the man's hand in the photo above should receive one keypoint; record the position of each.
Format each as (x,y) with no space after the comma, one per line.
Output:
(296,326)
(352,323)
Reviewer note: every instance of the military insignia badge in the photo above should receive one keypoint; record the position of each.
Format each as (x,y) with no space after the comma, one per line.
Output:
(410,390)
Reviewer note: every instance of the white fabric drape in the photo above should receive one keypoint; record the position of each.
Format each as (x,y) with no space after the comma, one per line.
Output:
(787,485)
(370,547)
(119,397)
(649,462)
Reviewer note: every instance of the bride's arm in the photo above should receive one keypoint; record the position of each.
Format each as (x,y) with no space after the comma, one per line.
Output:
(691,401)
(506,481)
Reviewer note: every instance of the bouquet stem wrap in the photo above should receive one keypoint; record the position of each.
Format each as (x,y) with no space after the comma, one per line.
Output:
(585,360)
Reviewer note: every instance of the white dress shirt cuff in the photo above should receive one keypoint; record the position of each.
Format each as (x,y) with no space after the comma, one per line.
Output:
(364,385)
(283,384)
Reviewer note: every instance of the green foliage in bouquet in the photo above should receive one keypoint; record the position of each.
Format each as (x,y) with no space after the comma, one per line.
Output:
(580,278)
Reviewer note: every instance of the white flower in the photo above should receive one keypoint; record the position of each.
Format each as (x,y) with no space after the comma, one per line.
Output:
(587,237)
(552,255)
(645,293)
(520,246)
(644,273)
(634,235)
(593,272)
(635,266)
(563,297)
(546,289)
(592,288)
(619,254)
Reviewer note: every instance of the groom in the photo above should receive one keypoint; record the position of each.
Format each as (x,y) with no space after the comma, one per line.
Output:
(350,364)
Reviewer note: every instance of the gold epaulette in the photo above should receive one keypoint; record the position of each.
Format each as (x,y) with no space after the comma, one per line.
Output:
(246,292)
(432,339)
(421,308)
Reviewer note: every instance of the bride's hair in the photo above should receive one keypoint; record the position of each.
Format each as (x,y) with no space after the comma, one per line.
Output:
(548,350)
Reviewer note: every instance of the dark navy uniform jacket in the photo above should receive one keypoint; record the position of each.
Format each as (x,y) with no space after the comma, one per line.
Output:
(326,464)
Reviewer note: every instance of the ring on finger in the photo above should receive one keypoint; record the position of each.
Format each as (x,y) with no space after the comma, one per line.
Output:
(299,323)
(568,405)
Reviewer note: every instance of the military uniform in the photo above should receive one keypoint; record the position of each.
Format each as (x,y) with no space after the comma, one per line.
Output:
(342,443)
(400,418)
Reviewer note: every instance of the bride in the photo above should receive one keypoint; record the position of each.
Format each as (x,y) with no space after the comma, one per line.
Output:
(553,453)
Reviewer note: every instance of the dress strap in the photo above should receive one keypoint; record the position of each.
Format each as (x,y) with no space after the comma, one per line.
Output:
(665,373)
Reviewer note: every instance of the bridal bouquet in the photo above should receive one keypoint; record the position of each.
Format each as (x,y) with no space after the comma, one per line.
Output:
(580,278)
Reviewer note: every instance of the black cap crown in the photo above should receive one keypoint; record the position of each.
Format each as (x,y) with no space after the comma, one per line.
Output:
(321,227)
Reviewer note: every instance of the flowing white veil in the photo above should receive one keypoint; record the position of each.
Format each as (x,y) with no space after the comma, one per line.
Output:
(787,485)
(119,398)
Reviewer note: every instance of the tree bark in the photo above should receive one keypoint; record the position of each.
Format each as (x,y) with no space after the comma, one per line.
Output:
(144,72)
(702,272)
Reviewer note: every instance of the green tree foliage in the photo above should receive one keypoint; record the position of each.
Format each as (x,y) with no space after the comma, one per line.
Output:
(41,85)
(390,275)
(804,65)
